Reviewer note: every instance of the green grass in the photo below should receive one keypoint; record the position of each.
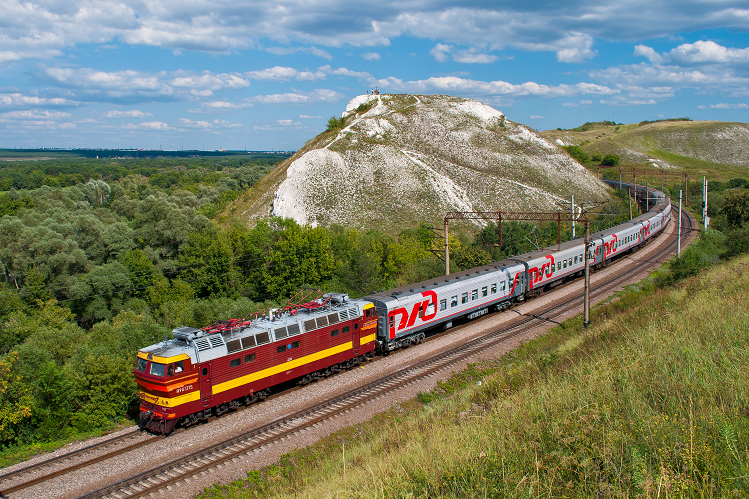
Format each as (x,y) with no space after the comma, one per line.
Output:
(652,400)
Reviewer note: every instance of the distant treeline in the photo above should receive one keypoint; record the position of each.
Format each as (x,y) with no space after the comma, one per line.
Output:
(174,171)
(589,125)
(135,153)
(664,119)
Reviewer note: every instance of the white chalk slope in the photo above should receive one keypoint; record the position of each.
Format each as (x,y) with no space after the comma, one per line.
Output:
(409,159)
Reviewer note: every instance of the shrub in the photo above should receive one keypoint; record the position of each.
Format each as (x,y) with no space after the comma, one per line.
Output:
(336,123)
(597,157)
(610,160)
(577,153)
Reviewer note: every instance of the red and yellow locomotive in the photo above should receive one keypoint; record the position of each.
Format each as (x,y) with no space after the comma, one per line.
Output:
(205,372)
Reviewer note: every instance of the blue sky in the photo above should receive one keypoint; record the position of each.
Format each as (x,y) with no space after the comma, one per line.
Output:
(266,75)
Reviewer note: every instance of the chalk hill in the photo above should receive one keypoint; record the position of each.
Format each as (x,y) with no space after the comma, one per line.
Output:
(405,159)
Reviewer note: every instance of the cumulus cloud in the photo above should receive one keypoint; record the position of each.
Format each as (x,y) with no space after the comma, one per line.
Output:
(289,50)
(370,56)
(703,65)
(127,114)
(18,99)
(208,80)
(318,95)
(147,125)
(463,86)
(443,52)
(137,86)
(43,28)
(35,114)
(723,105)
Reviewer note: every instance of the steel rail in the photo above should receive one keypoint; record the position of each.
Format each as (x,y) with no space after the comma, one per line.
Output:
(177,470)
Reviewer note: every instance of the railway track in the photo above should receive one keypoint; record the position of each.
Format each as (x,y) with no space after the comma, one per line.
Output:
(169,474)
(51,463)
(199,462)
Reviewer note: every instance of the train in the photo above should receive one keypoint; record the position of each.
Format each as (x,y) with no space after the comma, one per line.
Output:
(201,373)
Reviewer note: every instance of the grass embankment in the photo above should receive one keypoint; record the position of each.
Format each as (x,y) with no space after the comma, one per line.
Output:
(653,400)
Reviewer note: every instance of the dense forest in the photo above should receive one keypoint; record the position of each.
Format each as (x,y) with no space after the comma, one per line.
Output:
(99,259)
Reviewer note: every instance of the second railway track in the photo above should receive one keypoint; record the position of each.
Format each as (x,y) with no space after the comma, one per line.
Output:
(171,473)
(177,470)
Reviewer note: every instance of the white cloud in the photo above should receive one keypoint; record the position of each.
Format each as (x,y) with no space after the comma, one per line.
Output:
(462,86)
(147,125)
(344,72)
(440,52)
(288,122)
(41,28)
(474,55)
(68,126)
(18,100)
(276,73)
(582,103)
(318,95)
(723,105)
(127,114)
(207,80)
(308,117)
(311,50)
(50,115)
(194,124)
(537,117)
(370,56)
(136,86)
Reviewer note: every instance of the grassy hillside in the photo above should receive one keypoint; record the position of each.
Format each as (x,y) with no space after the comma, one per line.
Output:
(651,401)
(718,150)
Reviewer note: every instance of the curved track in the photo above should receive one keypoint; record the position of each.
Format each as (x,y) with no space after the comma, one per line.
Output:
(171,473)
(198,462)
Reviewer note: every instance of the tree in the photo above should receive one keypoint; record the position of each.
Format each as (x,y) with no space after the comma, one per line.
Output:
(301,257)
(610,160)
(736,208)
(16,400)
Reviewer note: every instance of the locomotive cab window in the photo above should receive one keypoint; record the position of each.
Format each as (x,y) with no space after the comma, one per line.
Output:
(205,371)
(140,365)
(175,368)
(157,369)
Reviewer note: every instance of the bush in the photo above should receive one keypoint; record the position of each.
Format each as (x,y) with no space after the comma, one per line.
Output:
(610,160)
(577,153)
(336,123)
(597,157)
